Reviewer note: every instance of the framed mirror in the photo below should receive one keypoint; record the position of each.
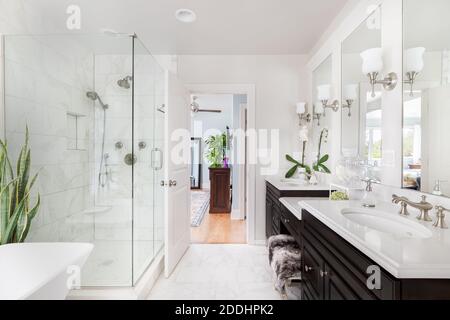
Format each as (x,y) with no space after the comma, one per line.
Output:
(361,109)
(322,95)
(426,97)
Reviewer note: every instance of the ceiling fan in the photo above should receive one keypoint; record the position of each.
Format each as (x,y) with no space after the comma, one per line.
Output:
(195,107)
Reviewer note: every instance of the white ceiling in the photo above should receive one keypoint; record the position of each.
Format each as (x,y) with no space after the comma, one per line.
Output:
(222,26)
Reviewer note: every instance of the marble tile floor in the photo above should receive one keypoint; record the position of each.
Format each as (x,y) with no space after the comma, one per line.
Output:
(219,272)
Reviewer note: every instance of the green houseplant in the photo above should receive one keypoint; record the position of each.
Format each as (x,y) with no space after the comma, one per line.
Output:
(216,150)
(297,164)
(16,214)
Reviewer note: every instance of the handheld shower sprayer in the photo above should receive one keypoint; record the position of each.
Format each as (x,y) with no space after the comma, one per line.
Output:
(94,96)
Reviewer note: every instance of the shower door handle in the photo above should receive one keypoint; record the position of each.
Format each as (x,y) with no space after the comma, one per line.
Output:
(157,164)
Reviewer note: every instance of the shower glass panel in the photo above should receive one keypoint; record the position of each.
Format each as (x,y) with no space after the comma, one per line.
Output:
(90,106)
(148,148)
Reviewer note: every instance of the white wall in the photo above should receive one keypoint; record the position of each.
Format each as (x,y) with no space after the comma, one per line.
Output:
(280,82)
(45,79)
(204,124)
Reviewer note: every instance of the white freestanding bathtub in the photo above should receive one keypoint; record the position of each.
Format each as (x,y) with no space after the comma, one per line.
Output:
(40,271)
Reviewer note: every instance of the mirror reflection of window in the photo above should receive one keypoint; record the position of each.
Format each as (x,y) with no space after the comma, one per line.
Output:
(361,134)
(426,97)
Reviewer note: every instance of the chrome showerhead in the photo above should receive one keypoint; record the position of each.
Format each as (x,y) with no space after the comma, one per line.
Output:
(125,82)
(94,96)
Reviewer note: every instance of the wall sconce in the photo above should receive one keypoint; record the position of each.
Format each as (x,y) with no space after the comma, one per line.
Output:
(324,96)
(302,112)
(350,96)
(414,65)
(373,65)
(318,112)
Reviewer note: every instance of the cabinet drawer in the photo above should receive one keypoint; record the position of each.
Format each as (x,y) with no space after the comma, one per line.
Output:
(344,258)
(312,265)
(292,224)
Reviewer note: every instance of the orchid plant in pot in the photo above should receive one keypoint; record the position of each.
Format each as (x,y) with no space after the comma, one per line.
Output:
(299,164)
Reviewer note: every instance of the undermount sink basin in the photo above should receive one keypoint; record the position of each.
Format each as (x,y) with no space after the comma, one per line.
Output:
(388,223)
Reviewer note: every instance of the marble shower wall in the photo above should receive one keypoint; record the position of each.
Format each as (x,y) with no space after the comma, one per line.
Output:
(46,79)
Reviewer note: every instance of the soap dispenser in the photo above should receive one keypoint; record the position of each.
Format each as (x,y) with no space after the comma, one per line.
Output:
(369,200)
(437,188)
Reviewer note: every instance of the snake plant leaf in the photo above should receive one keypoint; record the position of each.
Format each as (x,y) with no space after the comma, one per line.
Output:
(324,159)
(5,207)
(23,173)
(291,172)
(15,216)
(290,159)
(12,223)
(33,181)
(31,216)
(4,151)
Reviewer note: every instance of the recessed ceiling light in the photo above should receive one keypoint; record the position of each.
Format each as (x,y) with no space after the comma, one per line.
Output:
(185,15)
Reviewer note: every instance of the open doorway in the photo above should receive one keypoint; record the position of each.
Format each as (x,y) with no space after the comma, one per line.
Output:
(218,171)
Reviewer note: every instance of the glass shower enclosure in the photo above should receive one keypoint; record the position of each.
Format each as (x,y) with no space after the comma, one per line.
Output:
(93,107)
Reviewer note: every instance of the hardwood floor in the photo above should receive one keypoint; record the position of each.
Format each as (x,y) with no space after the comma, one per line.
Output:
(220,229)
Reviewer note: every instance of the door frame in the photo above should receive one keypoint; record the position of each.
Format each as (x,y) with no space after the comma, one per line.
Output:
(250,91)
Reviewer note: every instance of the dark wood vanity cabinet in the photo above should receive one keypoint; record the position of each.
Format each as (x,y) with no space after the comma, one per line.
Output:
(332,269)
(279,220)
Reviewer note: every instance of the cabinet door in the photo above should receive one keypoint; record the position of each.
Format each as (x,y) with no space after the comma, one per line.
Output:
(268,217)
(312,265)
(335,287)
(276,219)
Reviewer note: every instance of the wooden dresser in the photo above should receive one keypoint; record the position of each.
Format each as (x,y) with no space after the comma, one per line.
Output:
(220,200)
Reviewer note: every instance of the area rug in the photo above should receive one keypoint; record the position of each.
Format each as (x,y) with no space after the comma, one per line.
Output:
(199,206)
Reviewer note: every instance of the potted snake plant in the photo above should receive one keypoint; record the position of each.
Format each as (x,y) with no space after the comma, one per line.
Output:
(16,214)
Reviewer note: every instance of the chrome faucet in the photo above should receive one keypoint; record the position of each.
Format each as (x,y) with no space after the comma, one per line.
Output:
(369,200)
(423,206)
(440,222)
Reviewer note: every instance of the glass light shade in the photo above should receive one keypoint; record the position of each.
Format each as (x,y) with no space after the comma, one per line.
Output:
(324,92)
(372,60)
(301,107)
(319,107)
(351,92)
(414,59)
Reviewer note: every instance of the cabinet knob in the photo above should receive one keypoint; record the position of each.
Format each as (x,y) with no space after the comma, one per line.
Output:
(308,269)
(286,221)
(323,273)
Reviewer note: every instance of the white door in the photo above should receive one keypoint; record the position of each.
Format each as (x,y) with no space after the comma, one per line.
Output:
(177,235)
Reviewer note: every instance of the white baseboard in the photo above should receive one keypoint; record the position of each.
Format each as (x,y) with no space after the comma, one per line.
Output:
(138,292)
(236,214)
(259,242)
(206,185)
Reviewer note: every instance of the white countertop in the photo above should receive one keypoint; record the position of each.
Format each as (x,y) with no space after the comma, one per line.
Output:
(286,186)
(404,258)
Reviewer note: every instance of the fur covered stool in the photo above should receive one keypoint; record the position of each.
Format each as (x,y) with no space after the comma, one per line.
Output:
(280,241)
(285,260)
